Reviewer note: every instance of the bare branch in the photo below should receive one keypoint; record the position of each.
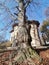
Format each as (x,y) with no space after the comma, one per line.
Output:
(8,10)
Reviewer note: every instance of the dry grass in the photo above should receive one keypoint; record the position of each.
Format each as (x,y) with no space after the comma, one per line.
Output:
(5,44)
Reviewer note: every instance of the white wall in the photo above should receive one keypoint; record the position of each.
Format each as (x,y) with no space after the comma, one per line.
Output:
(15,31)
(12,36)
(34,34)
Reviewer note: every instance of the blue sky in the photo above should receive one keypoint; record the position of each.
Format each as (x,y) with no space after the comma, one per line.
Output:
(33,12)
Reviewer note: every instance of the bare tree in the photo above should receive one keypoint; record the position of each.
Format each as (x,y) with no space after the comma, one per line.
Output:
(11,17)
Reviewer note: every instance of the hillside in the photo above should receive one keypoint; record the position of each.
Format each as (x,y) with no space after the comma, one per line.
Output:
(5,44)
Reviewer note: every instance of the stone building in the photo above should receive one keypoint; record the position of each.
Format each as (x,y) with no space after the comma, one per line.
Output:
(11,35)
(33,31)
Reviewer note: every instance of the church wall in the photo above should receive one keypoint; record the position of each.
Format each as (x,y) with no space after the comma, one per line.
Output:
(15,31)
(12,36)
(34,35)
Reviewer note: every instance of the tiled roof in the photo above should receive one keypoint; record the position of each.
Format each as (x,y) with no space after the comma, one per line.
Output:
(15,24)
(33,21)
(11,31)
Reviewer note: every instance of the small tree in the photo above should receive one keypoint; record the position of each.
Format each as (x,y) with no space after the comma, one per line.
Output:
(45,30)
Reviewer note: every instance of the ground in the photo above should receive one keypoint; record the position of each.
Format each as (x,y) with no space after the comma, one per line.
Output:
(44,54)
